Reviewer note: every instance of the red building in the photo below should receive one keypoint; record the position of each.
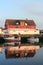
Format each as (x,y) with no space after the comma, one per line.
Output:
(10,23)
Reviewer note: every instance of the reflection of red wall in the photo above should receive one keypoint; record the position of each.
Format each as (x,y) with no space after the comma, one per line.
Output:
(21,53)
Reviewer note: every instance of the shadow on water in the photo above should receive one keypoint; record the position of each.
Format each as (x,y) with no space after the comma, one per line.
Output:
(24,40)
(2,40)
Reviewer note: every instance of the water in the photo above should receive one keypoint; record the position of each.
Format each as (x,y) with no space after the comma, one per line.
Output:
(37,59)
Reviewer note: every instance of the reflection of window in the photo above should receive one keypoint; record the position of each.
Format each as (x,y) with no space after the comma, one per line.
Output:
(17,22)
(26,24)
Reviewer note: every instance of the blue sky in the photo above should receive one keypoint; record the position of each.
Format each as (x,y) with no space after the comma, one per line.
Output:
(22,9)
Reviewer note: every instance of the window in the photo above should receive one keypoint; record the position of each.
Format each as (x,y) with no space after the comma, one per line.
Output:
(17,22)
(26,24)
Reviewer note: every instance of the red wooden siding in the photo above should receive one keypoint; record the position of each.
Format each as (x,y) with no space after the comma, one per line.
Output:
(11,24)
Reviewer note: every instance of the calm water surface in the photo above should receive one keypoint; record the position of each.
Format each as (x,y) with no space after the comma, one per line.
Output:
(37,59)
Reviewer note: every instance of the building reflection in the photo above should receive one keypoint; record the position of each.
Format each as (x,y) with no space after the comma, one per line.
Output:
(23,51)
(18,56)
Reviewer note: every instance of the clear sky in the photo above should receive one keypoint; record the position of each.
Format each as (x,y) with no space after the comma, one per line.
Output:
(22,9)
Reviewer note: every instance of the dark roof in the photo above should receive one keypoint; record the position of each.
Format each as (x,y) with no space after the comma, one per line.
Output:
(12,22)
(30,22)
